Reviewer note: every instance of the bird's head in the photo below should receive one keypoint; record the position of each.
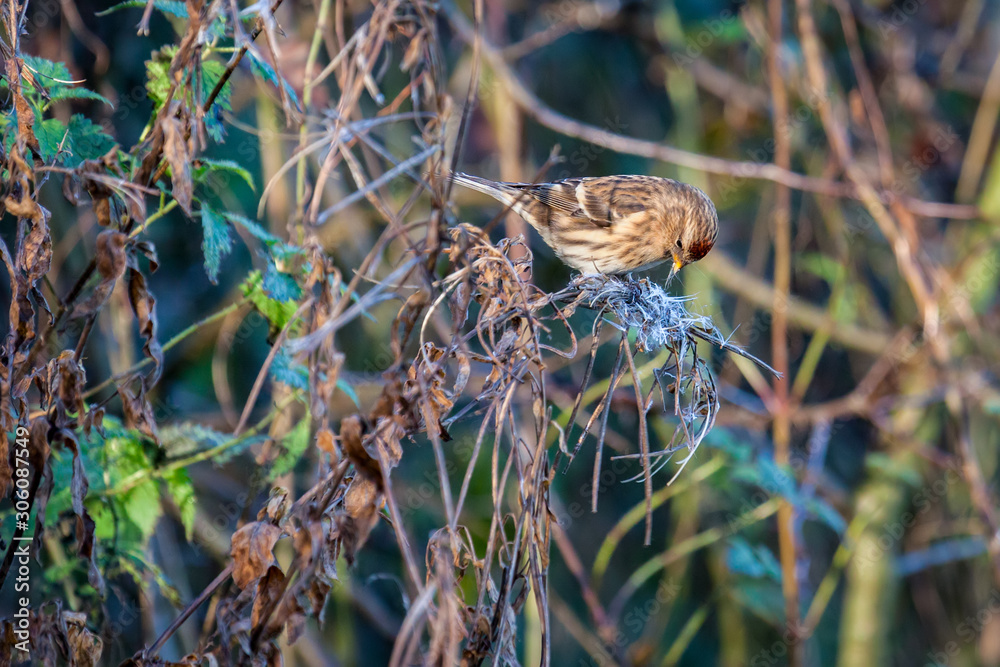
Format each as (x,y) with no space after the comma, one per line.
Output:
(697,232)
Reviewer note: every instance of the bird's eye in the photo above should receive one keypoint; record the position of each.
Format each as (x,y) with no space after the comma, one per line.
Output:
(679,244)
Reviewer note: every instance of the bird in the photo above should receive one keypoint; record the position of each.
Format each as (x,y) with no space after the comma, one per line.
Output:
(612,224)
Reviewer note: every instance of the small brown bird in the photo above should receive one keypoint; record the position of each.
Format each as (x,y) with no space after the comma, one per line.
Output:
(612,224)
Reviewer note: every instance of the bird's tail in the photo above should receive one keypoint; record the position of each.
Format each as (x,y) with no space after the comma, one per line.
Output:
(505,195)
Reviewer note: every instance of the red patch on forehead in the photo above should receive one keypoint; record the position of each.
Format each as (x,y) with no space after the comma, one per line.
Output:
(699,249)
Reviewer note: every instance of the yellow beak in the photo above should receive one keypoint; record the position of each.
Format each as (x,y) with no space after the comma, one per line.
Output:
(678,265)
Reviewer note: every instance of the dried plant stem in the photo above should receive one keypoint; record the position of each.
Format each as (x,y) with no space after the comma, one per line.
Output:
(980,137)
(787,538)
(642,405)
(220,579)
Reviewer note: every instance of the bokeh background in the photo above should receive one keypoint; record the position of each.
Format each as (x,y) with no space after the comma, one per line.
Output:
(846,514)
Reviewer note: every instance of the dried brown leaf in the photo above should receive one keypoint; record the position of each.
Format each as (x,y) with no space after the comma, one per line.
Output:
(144,306)
(177,152)
(252,551)
(85,647)
(351,439)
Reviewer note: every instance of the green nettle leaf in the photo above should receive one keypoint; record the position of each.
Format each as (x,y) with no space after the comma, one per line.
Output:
(172,7)
(51,134)
(263,69)
(77,94)
(280,285)
(182,492)
(254,228)
(217,242)
(55,78)
(294,443)
(158,87)
(87,140)
(158,83)
(211,73)
(143,509)
(278,313)
(284,369)
(71,145)
(207,167)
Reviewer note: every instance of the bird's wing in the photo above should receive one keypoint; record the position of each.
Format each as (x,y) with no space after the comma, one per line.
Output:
(602,201)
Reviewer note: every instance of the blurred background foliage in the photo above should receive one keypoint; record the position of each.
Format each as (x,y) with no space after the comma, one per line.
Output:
(845,516)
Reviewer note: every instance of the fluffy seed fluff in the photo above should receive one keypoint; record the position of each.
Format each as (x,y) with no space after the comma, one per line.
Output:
(662,321)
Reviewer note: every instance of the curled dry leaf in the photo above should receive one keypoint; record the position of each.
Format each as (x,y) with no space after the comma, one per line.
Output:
(138,412)
(111,262)
(361,505)
(144,306)
(177,153)
(85,647)
(269,589)
(351,439)
(326,443)
(252,551)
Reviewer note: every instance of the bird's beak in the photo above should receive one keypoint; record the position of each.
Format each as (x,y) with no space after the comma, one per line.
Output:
(678,265)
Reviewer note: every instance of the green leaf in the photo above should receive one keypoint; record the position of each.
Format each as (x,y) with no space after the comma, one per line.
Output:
(284,369)
(158,83)
(211,73)
(263,69)
(276,312)
(294,444)
(208,167)
(87,141)
(51,134)
(81,140)
(78,94)
(349,390)
(255,229)
(143,508)
(55,78)
(280,285)
(182,492)
(177,9)
(216,244)
(158,87)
